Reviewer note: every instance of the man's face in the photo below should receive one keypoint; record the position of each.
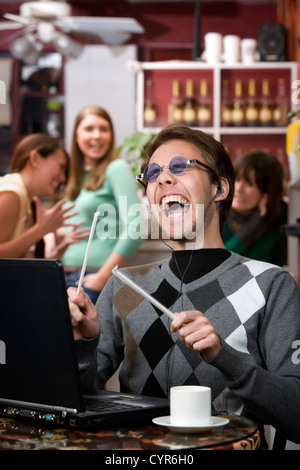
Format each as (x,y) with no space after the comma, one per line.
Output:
(178,202)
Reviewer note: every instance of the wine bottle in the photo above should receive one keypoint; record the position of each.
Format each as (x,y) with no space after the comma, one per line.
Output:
(204,112)
(150,112)
(238,109)
(252,107)
(189,113)
(266,111)
(280,110)
(226,105)
(175,107)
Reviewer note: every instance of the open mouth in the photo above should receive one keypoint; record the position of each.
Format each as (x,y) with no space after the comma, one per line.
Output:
(56,184)
(175,205)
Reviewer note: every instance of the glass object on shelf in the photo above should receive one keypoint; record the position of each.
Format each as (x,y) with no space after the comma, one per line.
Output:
(150,112)
(204,111)
(36,111)
(175,111)
(44,76)
(266,111)
(281,106)
(190,105)
(54,120)
(226,105)
(252,107)
(238,108)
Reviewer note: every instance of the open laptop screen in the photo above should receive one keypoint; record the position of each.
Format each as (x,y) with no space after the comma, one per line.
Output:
(36,336)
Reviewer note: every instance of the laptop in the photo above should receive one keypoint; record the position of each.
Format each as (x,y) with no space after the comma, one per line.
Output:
(39,376)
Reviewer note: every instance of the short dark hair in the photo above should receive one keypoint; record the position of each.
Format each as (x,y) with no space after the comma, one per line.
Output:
(212,151)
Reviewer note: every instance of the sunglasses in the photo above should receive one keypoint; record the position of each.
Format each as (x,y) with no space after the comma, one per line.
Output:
(178,165)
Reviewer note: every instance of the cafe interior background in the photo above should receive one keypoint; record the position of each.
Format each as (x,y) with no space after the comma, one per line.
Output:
(47,74)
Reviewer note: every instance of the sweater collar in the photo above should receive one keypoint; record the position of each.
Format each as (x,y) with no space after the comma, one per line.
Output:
(189,265)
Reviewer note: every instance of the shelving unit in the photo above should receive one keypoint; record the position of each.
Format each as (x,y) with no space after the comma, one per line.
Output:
(35,93)
(162,73)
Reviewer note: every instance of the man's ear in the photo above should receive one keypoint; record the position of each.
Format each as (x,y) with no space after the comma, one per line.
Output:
(222,190)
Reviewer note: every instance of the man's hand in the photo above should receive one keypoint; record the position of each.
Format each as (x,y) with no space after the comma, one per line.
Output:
(196,331)
(84,315)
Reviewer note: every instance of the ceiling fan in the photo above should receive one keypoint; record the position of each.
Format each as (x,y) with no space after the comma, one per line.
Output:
(47,21)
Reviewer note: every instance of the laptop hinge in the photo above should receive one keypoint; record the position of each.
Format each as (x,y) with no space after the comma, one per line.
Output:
(52,408)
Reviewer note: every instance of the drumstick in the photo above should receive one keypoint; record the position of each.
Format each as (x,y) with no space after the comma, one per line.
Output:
(96,215)
(139,290)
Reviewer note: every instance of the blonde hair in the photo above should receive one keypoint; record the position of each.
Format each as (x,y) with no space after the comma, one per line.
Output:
(97,173)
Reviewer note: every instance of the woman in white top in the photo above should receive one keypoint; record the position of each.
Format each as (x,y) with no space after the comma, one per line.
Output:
(39,167)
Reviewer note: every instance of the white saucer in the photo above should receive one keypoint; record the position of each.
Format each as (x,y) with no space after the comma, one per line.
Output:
(215,422)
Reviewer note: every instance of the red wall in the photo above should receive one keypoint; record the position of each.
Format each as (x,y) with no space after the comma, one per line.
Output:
(170,26)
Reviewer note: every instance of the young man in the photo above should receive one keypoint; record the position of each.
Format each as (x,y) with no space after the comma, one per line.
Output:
(237,325)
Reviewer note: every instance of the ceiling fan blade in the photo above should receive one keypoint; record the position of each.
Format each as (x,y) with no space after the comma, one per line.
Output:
(8,25)
(22,31)
(114,37)
(98,25)
(18,18)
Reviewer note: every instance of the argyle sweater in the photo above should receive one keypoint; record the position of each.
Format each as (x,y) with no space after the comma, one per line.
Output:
(253,306)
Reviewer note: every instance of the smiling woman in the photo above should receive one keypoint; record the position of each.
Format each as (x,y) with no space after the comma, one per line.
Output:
(99,182)
(39,167)
(259,212)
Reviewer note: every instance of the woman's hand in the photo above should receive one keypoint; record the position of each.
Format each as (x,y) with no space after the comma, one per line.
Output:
(49,220)
(56,243)
(94,281)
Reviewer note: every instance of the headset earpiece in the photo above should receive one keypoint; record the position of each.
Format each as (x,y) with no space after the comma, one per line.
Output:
(219,189)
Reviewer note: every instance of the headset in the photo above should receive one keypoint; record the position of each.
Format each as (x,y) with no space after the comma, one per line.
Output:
(219,189)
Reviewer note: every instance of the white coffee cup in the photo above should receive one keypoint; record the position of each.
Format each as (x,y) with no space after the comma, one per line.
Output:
(213,47)
(231,48)
(248,50)
(190,405)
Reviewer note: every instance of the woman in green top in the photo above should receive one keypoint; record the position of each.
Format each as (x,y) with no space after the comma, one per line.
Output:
(99,181)
(255,226)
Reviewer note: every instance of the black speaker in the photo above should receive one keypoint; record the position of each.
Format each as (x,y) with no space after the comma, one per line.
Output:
(272,42)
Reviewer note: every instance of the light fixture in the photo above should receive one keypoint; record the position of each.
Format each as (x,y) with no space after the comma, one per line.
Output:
(27,49)
(67,46)
(45,31)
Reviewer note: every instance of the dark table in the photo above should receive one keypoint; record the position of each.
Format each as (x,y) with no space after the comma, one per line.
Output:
(239,434)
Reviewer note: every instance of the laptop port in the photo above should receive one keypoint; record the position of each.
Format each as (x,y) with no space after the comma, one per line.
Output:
(10,411)
(27,413)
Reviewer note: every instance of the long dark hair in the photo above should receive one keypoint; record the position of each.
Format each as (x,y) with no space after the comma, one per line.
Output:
(269,178)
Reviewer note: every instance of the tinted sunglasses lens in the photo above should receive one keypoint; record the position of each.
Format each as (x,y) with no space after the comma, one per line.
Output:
(151,172)
(178,165)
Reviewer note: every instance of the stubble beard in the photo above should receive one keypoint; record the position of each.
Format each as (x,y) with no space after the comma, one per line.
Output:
(191,230)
